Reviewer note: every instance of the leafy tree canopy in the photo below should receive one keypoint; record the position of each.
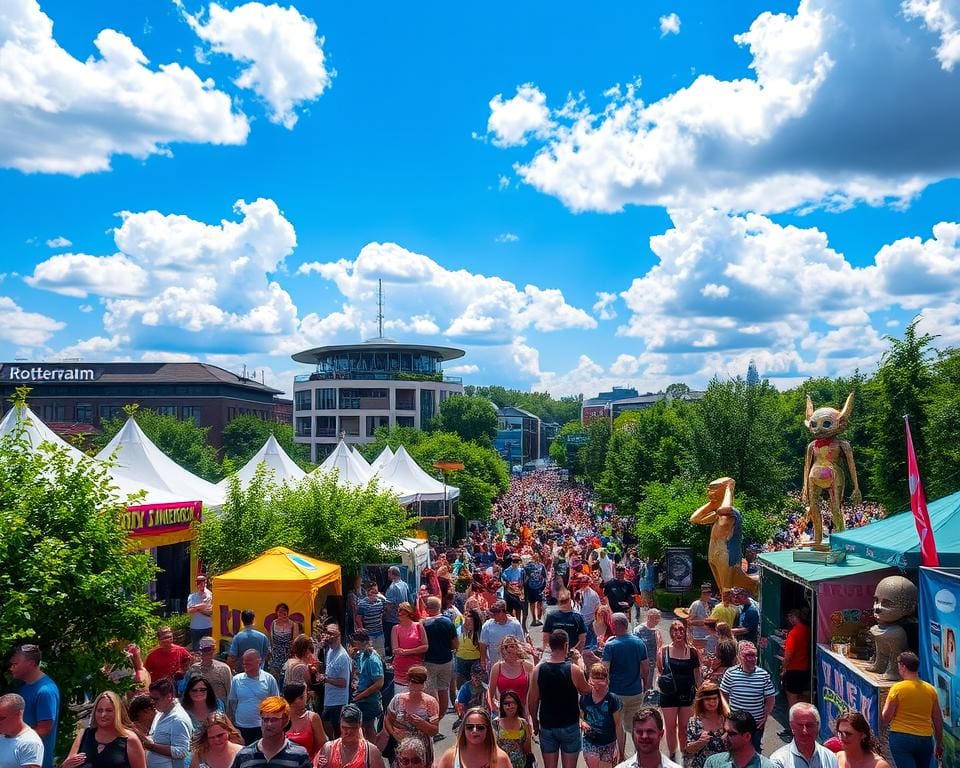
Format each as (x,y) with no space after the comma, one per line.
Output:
(540,404)
(472,418)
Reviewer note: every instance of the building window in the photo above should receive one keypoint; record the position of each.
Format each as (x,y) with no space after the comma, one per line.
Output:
(109,411)
(376,421)
(427,406)
(364,399)
(302,426)
(350,425)
(326,399)
(301,400)
(326,426)
(406,399)
(190,412)
(166,410)
(405,421)
(84,413)
(54,413)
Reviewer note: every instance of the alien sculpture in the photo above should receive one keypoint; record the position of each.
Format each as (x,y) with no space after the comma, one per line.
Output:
(822,470)
(894,599)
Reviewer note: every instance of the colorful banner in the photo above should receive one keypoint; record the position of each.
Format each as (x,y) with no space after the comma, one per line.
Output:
(918,504)
(845,606)
(161,519)
(842,690)
(939,631)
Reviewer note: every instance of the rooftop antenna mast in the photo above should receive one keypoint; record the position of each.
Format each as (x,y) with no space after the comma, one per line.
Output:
(380,308)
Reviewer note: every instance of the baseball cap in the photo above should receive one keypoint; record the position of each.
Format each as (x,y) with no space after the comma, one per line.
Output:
(206,642)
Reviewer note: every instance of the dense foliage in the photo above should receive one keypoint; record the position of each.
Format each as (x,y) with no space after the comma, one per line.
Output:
(548,409)
(472,418)
(246,434)
(67,581)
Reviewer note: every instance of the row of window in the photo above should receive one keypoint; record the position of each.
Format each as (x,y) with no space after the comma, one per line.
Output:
(360,399)
(349,426)
(82,413)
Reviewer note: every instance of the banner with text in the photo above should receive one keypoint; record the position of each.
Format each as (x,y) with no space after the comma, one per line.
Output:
(160,519)
(842,690)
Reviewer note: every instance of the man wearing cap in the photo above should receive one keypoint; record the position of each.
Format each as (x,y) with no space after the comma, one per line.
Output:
(351,748)
(620,592)
(273,748)
(699,612)
(472,693)
(215,671)
(200,608)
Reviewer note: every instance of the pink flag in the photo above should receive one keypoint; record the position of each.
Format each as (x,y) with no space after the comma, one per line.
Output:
(918,503)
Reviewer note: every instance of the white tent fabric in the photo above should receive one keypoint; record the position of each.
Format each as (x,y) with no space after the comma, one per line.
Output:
(362,461)
(352,471)
(139,460)
(385,455)
(285,469)
(36,432)
(403,471)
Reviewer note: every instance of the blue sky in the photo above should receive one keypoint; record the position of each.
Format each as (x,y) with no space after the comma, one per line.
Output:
(648,193)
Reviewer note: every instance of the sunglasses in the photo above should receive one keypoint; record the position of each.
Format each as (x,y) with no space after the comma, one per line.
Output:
(475,727)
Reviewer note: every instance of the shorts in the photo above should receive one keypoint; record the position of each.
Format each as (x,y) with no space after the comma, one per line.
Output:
(568,739)
(796,681)
(676,700)
(370,708)
(331,714)
(606,752)
(533,594)
(514,602)
(438,676)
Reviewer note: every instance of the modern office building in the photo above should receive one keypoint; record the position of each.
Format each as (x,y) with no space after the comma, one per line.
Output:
(355,388)
(518,436)
(609,405)
(73,398)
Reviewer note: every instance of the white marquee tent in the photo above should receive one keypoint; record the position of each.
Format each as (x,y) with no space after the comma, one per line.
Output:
(385,455)
(138,459)
(403,471)
(284,469)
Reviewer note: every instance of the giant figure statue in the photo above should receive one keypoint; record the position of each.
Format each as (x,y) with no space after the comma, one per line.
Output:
(822,470)
(725,551)
(894,599)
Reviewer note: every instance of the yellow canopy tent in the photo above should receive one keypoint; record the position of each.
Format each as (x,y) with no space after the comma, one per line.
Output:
(279,575)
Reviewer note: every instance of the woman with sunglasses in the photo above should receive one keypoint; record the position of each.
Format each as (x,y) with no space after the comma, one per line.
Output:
(476,745)
(199,700)
(411,754)
(705,729)
(108,742)
(858,744)
(408,639)
(678,660)
(513,732)
(414,713)
(216,742)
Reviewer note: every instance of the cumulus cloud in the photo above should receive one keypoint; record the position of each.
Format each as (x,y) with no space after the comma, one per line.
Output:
(603,306)
(62,115)
(25,329)
(512,120)
(58,242)
(180,284)
(284,58)
(464,306)
(808,127)
(941,20)
(506,237)
(462,370)
(669,25)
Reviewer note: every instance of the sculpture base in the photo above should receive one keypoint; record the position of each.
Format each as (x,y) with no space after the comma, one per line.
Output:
(813,554)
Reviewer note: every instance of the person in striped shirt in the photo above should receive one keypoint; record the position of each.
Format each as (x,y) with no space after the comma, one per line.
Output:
(747,686)
(370,609)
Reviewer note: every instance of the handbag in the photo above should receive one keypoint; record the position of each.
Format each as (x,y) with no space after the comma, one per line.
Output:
(667,683)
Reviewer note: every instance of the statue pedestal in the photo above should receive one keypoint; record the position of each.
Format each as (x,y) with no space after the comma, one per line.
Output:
(812,554)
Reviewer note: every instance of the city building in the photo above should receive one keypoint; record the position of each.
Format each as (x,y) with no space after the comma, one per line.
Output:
(356,388)
(609,405)
(73,398)
(599,407)
(518,436)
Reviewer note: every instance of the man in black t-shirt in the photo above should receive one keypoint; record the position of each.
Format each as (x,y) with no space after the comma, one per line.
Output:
(567,619)
(620,592)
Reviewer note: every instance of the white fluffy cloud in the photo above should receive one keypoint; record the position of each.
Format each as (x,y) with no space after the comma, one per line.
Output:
(62,115)
(790,136)
(181,284)
(506,237)
(466,307)
(58,242)
(284,58)
(25,329)
(669,25)
(603,306)
(940,19)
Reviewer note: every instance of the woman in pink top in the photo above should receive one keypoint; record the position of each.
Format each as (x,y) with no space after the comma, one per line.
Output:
(409,640)
(511,673)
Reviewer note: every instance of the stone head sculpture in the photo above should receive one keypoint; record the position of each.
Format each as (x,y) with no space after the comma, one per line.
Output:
(894,598)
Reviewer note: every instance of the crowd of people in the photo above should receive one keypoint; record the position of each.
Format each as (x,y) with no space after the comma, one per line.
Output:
(601,679)
(798,528)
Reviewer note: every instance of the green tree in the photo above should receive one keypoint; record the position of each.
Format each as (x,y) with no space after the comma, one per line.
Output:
(540,404)
(901,385)
(473,418)
(736,432)
(941,473)
(317,517)
(182,440)
(246,434)
(594,453)
(564,451)
(68,582)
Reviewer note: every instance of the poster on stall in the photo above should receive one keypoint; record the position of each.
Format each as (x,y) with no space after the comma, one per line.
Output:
(939,629)
(841,690)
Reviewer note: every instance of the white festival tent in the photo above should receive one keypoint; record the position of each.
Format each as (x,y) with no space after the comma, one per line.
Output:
(351,471)
(359,457)
(403,471)
(137,458)
(284,469)
(385,455)
(35,432)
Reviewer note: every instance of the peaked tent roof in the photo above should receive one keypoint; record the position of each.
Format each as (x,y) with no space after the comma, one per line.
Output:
(36,432)
(281,565)
(351,471)
(385,455)
(360,459)
(404,471)
(285,469)
(138,459)
(894,539)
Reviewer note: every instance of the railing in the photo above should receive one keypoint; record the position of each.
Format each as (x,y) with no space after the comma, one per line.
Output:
(371,376)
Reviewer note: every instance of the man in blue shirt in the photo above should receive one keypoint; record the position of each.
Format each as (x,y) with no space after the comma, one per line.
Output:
(247,690)
(398,591)
(748,622)
(41,697)
(366,681)
(248,639)
(625,657)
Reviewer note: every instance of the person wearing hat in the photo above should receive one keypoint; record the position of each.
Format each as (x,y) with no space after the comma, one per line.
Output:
(698,613)
(351,750)
(218,674)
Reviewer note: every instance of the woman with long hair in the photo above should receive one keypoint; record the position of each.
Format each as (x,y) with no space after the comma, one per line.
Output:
(680,663)
(511,673)
(476,745)
(513,731)
(414,713)
(199,700)
(306,728)
(408,639)
(468,651)
(301,667)
(282,632)
(858,743)
(725,654)
(216,742)
(705,729)
(602,626)
(109,741)
(601,720)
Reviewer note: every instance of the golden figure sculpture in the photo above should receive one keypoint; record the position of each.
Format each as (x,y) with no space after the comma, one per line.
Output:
(822,470)
(725,551)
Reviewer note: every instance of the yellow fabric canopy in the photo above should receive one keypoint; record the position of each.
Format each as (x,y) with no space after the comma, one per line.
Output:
(279,575)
